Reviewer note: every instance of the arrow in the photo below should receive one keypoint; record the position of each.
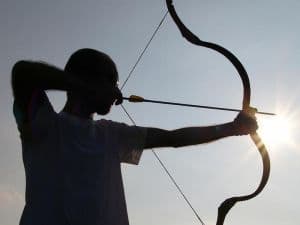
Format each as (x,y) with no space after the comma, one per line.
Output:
(135,99)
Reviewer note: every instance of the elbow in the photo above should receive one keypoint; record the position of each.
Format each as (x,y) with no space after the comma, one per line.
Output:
(18,69)
(18,78)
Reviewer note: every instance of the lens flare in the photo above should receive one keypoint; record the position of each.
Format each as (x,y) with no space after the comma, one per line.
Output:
(275,131)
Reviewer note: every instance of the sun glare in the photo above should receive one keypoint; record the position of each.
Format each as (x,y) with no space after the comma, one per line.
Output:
(275,131)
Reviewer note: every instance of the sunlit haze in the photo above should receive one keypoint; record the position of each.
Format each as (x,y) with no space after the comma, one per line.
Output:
(276,131)
(263,34)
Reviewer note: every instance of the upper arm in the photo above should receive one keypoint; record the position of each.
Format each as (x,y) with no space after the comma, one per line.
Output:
(22,84)
(27,98)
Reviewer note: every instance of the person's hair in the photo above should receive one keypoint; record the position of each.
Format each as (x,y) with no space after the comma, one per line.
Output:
(89,64)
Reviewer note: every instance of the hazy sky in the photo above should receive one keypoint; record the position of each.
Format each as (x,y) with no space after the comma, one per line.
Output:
(263,34)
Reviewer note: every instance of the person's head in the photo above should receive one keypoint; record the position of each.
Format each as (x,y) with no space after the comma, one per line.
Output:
(96,69)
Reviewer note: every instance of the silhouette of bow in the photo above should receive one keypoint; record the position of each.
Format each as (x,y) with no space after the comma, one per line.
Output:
(186,33)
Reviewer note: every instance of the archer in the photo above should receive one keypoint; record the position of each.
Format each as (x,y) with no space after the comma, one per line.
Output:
(72,162)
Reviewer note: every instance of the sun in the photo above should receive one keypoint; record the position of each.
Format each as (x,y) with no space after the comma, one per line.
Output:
(275,131)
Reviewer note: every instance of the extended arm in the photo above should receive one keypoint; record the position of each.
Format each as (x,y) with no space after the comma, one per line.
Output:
(243,124)
(187,136)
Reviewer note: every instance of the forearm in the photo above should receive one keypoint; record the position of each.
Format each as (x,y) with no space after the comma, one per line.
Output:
(36,75)
(199,135)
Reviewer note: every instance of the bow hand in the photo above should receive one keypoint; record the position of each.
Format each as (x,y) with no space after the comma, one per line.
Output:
(245,122)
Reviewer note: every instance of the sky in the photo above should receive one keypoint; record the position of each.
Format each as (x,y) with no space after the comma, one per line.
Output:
(263,34)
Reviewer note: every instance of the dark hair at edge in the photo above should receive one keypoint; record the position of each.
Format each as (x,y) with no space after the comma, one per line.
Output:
(89,64)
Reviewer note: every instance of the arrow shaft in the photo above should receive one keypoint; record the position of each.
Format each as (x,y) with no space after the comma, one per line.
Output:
(193,105)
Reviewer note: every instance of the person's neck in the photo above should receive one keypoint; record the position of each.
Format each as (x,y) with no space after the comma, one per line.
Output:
(77,109)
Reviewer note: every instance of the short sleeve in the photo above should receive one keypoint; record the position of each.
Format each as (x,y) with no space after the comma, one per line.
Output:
(41,117)
(129,141)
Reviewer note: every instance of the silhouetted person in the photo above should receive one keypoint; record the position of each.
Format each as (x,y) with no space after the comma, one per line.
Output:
(72,162)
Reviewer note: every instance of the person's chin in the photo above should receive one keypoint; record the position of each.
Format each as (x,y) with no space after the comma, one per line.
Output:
(103,111)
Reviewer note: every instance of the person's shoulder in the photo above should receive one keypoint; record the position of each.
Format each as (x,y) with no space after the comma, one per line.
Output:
(120,128)
(103,121)
(38,102)
(37,121)
(111,125)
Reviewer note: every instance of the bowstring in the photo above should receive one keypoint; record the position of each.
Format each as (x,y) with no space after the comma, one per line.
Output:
(144,50)
(179,189)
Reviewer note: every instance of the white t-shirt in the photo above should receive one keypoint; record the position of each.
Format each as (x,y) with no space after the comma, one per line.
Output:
(72,168)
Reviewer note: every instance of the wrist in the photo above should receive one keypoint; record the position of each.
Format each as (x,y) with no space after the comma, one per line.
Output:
(225,130)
